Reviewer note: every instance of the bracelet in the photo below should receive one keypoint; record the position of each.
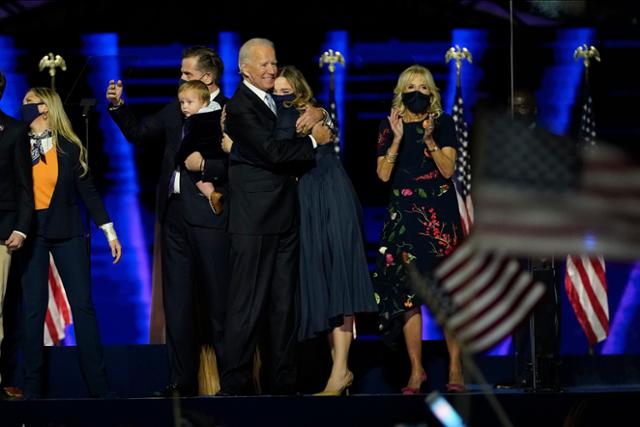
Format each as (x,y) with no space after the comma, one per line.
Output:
(202,165)
(431,150)
(390,157)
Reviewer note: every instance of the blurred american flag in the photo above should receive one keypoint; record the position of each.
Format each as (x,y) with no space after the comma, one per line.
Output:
(481,296)
(538,194)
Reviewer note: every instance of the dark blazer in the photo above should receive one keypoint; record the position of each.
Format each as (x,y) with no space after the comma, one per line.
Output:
(263,193)
(166,125)
(16,184)
(63,219)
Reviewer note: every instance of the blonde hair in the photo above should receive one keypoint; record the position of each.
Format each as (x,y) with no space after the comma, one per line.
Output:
(301,89)
(405,79)
(201,90)
(59,122)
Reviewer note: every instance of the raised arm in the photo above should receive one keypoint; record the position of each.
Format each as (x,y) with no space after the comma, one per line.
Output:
(149,129)
(389,137)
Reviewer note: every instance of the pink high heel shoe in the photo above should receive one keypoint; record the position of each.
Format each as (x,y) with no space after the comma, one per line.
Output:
(456,388)
(414,390)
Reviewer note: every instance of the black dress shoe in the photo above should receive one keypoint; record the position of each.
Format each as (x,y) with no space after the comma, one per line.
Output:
(173,390)
(11,393)
(170,390)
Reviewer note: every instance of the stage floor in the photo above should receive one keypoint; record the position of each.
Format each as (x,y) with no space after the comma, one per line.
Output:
(585,408)
(596,391)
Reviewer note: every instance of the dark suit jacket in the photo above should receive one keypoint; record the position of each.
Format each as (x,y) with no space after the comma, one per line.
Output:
(63,215)
(166,125)
(16,185)
(263,193)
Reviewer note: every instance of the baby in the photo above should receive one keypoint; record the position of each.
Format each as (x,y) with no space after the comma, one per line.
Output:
(200,132)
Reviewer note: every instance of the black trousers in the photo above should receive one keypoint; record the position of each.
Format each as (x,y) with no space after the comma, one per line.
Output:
(264,280)
(195,279)
(12,320)
(72,261)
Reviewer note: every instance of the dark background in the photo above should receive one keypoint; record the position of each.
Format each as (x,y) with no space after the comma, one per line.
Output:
(299,32)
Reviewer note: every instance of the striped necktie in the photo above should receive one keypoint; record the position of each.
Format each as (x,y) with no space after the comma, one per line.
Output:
(270,103)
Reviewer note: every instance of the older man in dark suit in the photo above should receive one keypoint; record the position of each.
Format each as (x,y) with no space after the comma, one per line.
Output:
(263,225)
(16,208)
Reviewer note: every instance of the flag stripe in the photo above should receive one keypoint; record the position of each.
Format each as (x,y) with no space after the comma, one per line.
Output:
(584,284)
(612,183)
(463,164)
(489,295)
(464,214)
(495,307)
(51,336)
(58,315)
(516,316)
(574,300)
(59,295)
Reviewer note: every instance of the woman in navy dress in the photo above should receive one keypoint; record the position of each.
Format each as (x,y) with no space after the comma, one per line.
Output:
(335,283)
(417,153)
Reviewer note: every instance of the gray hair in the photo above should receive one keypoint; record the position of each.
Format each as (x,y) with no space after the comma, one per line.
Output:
(245,50)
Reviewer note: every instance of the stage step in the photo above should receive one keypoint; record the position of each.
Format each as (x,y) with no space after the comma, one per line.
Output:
(139,370)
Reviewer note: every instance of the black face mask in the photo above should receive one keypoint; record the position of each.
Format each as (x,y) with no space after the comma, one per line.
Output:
(183,81)
(29,112)
(416,102)
(280,99)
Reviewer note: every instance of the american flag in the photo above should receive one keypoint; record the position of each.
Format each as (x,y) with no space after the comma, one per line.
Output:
(58,315)
(463,164)
(585,280)
(587,136)
(482,297)
(333,115)
(538,194)
(586,287)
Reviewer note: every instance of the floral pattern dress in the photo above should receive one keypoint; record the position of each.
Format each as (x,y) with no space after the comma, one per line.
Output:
(422,219)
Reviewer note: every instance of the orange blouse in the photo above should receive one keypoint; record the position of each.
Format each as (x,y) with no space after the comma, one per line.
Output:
(45,177)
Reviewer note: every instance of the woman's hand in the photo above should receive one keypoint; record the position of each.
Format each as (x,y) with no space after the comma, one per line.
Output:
(427,138)
(116,250)
(321,134)
(227,143)
(395,120)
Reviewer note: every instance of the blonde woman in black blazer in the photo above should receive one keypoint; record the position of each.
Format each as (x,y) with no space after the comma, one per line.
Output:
(60,174)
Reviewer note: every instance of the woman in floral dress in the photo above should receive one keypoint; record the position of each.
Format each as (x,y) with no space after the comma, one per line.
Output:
(417,152)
